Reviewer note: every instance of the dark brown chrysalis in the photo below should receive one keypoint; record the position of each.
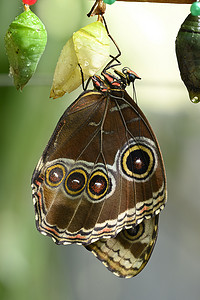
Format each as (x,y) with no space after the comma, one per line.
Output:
(188,55)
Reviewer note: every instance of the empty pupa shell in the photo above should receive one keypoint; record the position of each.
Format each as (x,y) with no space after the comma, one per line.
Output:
(25,42)
(89,47)
(188,55)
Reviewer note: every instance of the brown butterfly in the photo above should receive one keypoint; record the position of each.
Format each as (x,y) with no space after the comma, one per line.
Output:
(101,177)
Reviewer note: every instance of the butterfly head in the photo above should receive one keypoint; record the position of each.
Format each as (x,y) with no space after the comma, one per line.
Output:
(130,75)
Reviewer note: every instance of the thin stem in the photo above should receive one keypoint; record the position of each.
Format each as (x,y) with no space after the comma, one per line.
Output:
(114,58)
(26,7)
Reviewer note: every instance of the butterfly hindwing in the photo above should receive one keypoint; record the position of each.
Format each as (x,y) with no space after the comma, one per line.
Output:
(128,253)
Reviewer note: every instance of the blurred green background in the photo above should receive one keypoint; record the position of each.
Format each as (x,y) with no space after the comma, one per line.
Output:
(32,266)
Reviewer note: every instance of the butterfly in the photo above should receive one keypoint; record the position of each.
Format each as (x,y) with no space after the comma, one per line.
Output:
(101,179)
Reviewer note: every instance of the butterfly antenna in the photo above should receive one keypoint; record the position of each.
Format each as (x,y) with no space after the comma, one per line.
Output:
(134,93)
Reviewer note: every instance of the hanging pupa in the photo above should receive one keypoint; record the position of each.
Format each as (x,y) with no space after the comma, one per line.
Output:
(88,49)
(188,55)
(25,42)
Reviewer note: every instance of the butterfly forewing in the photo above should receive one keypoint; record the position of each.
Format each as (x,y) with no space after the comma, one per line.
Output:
(128,253)
(101,172)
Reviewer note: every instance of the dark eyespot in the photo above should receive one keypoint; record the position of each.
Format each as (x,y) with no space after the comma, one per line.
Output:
(138,162)
(98,185)
(75,182)
(54,175)
(134,233)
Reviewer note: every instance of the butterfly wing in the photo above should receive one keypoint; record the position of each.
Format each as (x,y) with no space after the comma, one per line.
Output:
(128,253)
(101,172)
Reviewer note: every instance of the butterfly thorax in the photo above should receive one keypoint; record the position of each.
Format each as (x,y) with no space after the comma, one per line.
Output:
(112,83)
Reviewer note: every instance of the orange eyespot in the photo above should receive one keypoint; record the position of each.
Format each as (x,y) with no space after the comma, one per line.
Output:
(75,182)
(98,185)
(54,175)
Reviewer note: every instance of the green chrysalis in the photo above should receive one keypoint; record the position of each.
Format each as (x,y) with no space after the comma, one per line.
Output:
(25,42)
(109,1)
(188,55)
(88,48)
(195,8)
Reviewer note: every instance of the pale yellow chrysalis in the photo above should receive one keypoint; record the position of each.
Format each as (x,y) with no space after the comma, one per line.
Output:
(89,47)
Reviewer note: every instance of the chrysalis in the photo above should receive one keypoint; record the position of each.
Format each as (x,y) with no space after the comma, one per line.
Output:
(188,55)
(25,42)
(89,49)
